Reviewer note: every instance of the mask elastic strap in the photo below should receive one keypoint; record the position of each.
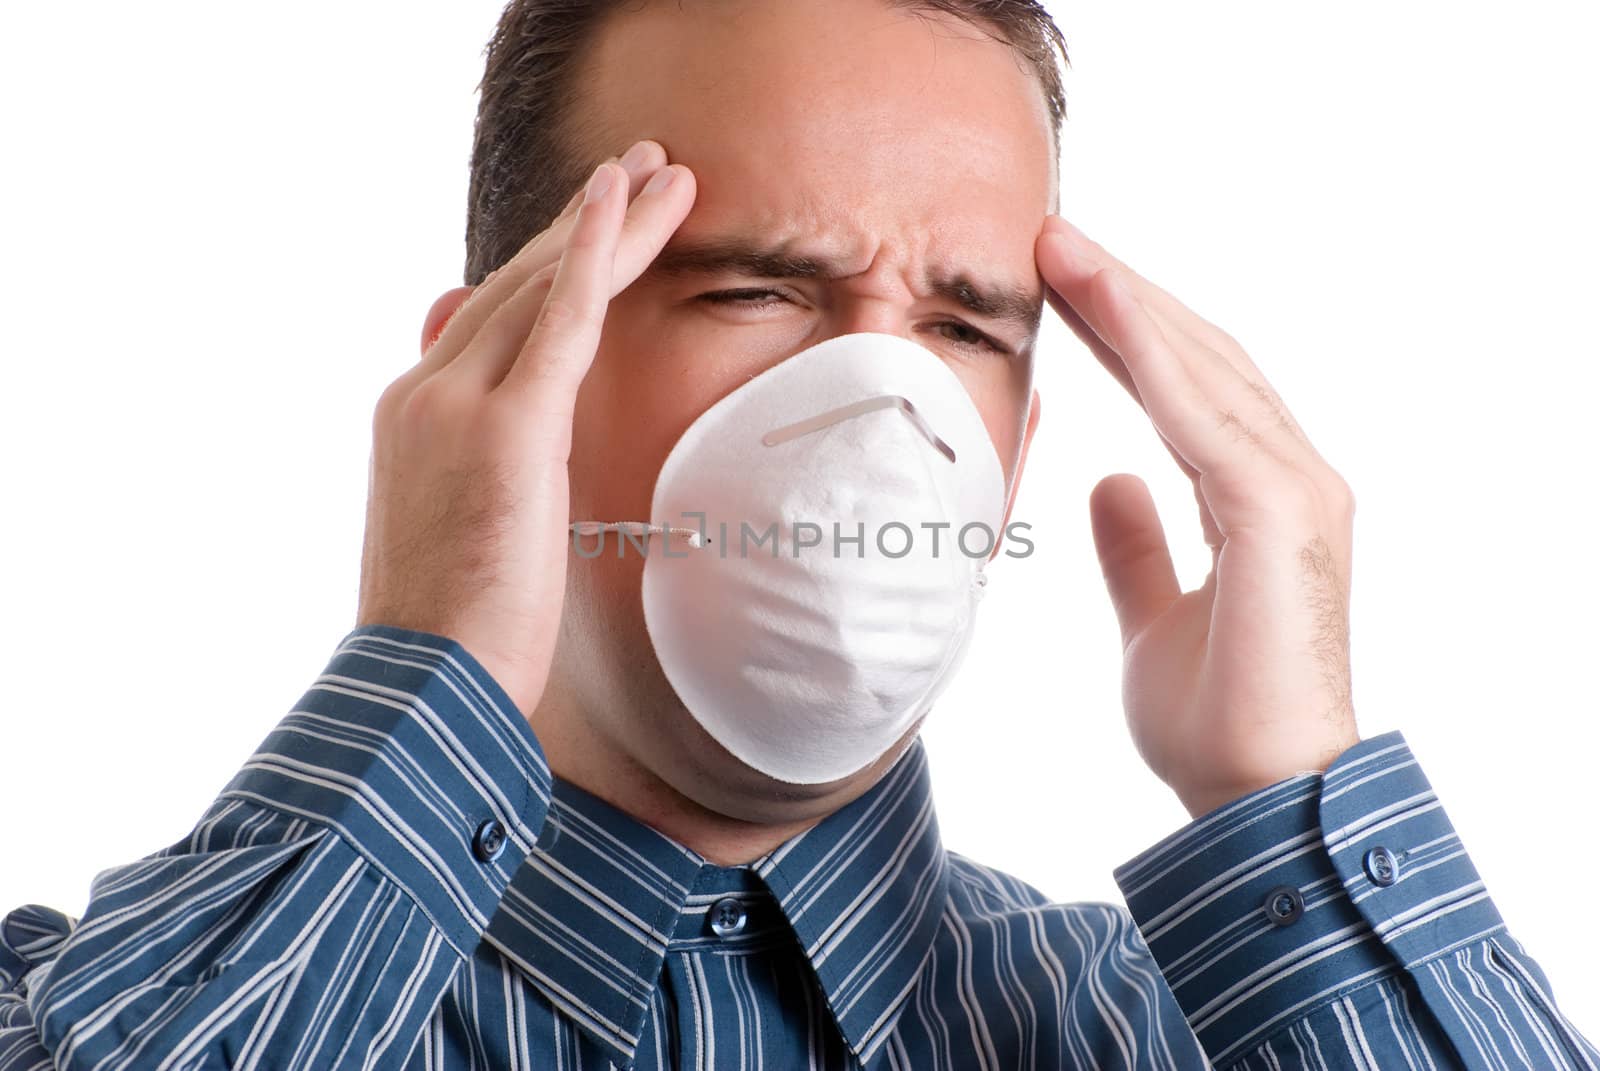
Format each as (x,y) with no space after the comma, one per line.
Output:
(688,535)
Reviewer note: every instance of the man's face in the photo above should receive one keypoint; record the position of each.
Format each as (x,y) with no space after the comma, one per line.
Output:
(895,149)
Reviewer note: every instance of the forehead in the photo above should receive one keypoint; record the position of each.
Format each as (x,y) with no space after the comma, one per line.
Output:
(849,123)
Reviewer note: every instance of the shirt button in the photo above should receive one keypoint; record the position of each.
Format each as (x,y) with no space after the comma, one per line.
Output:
(727,916)
(1284,905)
(1382,867)
(489,841)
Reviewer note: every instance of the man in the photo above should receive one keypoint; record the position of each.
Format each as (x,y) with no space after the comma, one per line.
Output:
(496,833)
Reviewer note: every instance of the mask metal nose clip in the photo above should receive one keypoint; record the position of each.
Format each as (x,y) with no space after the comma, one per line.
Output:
(690,536)
(855,409)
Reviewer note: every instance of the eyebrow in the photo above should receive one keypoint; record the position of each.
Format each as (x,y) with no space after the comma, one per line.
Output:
(1015,305)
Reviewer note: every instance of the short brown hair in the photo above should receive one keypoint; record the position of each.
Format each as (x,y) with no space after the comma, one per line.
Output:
(523,165)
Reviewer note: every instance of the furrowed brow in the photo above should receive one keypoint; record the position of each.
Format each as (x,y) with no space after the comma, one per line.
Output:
(710,257)
(1016,306)
(1013,305)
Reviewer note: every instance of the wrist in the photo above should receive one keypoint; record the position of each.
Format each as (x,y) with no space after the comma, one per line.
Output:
(1201,803)
(1201,800)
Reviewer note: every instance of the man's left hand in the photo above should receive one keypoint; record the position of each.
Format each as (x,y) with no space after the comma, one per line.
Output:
(1245,680)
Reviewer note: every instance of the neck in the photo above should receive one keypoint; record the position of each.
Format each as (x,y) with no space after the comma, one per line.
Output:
(579,753)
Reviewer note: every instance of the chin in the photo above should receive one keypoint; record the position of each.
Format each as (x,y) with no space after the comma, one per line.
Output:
(705,772)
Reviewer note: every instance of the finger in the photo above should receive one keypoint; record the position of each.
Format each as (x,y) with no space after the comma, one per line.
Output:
(1174,317)
(1132,549)
(652,217)
(1164,306)
(1114,364)
(1068,271)
(641,162)
(1068,275)
(1247,478)
(1051,251)
(564,338)
(1200,424)
(1108,358)
(1234,403)
(1198,418)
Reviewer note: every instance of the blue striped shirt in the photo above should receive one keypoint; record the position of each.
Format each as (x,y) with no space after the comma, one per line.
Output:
(395,880)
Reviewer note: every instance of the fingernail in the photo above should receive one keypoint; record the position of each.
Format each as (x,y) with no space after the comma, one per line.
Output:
(660,180)
(633,159)
(599,183)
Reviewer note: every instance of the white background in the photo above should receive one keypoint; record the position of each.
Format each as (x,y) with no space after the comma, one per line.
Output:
(223,224)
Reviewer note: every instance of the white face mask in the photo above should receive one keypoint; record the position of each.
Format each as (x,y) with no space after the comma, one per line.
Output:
(807,656)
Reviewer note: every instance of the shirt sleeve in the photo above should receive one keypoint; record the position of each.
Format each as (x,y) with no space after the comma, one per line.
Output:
(1335,920)
(323,903)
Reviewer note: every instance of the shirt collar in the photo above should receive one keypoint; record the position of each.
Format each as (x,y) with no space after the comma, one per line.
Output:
(590,915)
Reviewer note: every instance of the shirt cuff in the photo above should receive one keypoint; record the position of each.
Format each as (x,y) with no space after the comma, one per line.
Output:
(410,751)
(1288,897)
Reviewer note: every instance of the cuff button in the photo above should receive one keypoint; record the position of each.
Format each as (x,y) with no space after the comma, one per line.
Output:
(1284,905)
(1381,866)
(489,841)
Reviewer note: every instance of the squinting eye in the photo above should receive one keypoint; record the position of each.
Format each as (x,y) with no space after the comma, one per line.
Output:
(756,297)
(748,296)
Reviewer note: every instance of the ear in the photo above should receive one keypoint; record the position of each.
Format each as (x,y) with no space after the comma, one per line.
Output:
(444,306)
(1016,479)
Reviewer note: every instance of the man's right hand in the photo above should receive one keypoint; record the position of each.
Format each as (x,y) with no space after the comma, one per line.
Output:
(467,509)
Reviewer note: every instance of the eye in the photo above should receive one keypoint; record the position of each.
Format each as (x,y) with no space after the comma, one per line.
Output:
(757,297)
(748,297)
(969,337)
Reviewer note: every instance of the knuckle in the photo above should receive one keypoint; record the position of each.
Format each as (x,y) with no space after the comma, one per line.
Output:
(430,402)
(1296,493)
(584,241)
(561,313)
(1341,494)
(595,229)
(390,401)
(1307,491)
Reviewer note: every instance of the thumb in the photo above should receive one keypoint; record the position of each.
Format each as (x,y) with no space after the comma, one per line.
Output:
(1133,552)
